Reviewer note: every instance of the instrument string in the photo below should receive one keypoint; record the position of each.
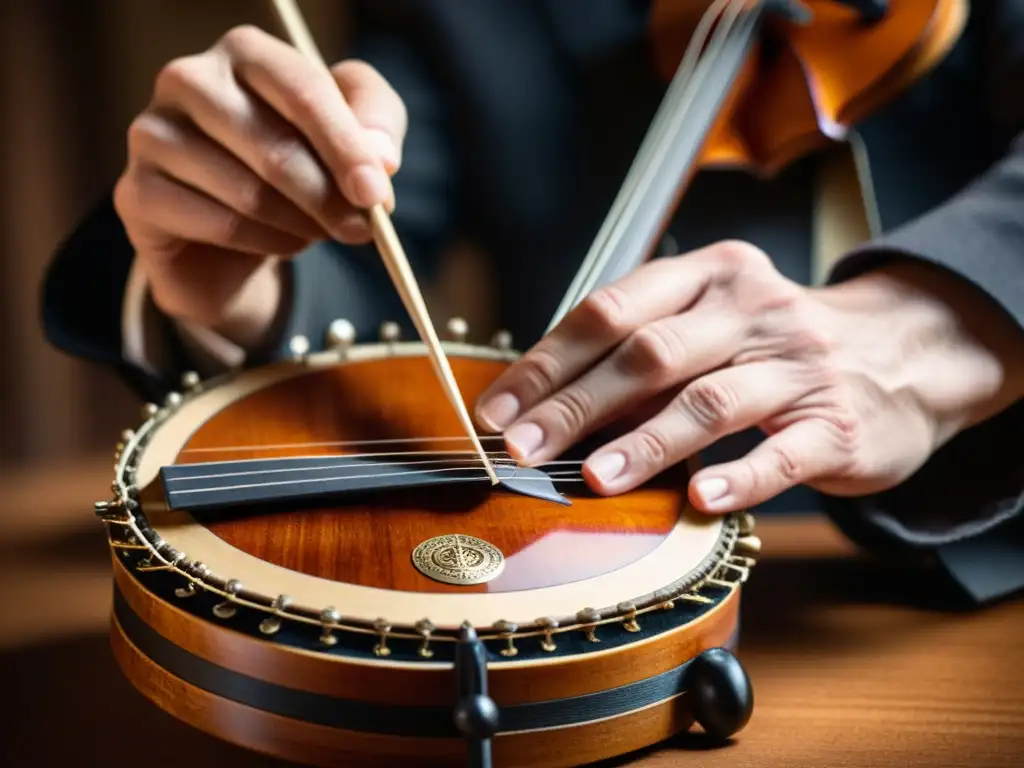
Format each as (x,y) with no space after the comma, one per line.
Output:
(338,444)
(561,476)
(663,118)
(469,462)
(698,73)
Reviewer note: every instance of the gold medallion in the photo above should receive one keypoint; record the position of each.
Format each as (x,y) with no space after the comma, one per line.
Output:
(458,559)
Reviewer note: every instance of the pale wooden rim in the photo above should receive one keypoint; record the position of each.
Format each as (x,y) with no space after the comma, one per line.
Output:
(686,549)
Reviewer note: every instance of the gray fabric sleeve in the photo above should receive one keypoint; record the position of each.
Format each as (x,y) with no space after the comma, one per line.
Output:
(964,506)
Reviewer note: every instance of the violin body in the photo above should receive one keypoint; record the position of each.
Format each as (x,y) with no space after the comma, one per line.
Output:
(807,82)
(324,627)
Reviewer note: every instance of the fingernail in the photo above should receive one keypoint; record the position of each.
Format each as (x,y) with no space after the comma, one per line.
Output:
(380,143)
(525,439)
(500,411)
(712,489)
(607,466)
(366,185)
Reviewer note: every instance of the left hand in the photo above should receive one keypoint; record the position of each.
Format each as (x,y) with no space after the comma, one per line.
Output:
(855,385)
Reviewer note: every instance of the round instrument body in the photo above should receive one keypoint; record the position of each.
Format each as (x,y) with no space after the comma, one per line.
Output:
(323,626)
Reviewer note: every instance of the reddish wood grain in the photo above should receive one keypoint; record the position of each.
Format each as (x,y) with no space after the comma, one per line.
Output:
(834,69)
(847,672)
(371,542)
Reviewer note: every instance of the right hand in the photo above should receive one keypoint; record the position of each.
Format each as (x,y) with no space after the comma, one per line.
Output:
(250,151)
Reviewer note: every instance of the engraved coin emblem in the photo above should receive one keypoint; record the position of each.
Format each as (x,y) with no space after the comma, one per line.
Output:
(458,559)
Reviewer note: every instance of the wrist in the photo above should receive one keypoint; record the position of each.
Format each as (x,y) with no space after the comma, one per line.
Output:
(952,349)
(255,314)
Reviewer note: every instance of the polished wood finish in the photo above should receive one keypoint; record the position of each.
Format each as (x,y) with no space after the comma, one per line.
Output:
(834,70)
(329,747)
(370,542)
(425,684)
(846,673)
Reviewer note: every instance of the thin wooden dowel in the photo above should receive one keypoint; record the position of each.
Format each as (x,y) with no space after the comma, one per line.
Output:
(393,255)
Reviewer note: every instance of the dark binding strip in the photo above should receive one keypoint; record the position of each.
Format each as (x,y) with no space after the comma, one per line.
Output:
(387,719)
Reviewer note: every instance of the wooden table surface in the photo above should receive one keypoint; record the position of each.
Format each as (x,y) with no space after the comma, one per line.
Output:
(850,664)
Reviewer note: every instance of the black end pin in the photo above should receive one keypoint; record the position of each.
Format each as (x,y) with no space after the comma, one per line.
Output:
(476,714)
(721,697)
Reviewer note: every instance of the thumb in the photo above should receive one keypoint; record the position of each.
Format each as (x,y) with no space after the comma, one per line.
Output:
(377,106)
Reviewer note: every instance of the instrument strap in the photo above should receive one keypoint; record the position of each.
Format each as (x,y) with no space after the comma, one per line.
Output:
(845,213)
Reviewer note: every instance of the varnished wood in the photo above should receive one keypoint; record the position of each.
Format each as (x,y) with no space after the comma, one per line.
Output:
(836,69)
(846,674)
(329,747)
(426,684)
(370,543)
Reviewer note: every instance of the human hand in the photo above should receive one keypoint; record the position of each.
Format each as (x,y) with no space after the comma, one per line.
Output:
(855,385)
(248,151)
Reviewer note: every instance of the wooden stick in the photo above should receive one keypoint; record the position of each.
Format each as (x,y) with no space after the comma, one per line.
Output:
(393,255)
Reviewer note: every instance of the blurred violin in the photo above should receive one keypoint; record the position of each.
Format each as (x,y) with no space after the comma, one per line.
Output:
(756,85)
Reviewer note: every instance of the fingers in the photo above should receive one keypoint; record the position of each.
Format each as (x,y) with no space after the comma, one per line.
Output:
(287,120)
(724,402)
(657,357)
(308,97)
(602,321)
(175,212)
(204,90)
(797,455)
(378,108)
(172,146)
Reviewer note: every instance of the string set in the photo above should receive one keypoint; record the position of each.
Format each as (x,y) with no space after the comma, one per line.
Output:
(670,147)
(341,465)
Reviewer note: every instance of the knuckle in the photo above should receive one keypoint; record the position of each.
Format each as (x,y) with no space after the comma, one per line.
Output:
(241,38)
(573,408)
(786,464)
(738,255)
(712,404)
(844,428)
(305,101)
(184,73)
(813,343)
(252,199)
(652,447)
(225,229)
(357,70)
(609,310)
(124,197)
(540,370)
(279,159)
(820,378)
(144,133)
(654,350)
(805,329)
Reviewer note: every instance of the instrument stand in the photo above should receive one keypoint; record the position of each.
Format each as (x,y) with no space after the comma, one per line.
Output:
(476,714)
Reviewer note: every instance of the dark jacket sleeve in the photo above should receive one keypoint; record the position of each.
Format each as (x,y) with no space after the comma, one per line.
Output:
(84,288)
(963,508)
